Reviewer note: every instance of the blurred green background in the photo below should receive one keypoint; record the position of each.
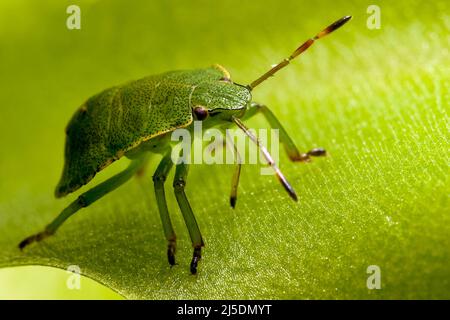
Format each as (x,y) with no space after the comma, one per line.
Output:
(377,100)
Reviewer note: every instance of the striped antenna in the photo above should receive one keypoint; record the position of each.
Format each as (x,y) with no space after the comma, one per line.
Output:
(299,50)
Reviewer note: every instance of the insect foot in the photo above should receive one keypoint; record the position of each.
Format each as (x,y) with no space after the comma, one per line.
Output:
(195,259)
(317,152)
(171,249)
(306,157)
(34,238)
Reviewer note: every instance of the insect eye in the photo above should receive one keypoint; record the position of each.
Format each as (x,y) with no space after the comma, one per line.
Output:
(201,113)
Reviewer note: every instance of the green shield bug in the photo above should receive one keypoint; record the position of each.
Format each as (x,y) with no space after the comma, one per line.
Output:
(136,119)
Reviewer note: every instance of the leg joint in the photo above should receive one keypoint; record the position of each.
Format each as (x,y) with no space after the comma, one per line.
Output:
(82,201)
(259,107)
(179,184)
(159,178)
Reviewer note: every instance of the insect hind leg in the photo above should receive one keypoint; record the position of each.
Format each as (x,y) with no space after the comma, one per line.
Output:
(85,200)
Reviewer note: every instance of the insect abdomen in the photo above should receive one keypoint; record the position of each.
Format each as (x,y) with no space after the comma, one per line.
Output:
(117,120)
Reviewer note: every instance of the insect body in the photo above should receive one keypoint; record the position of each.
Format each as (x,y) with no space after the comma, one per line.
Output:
(135,119)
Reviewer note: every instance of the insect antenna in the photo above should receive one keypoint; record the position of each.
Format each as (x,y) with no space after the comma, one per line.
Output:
(339,23)
(268,157)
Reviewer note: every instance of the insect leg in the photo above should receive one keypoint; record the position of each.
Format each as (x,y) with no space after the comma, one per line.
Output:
(159,179)
(85,200)
(237,172)
(267,156)
(289,145)
(179,183)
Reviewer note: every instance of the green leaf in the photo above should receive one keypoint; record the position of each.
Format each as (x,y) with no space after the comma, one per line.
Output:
(377,100)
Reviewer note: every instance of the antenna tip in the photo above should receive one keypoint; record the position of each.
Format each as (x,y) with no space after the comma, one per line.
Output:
(346,19)
(335,25)
(339,23)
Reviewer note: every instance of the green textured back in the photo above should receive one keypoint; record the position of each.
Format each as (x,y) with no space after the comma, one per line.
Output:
(120,118)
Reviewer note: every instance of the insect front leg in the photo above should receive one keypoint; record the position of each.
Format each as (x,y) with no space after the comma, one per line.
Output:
(179,184)
(159,179)
(285,139)
(86,199)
